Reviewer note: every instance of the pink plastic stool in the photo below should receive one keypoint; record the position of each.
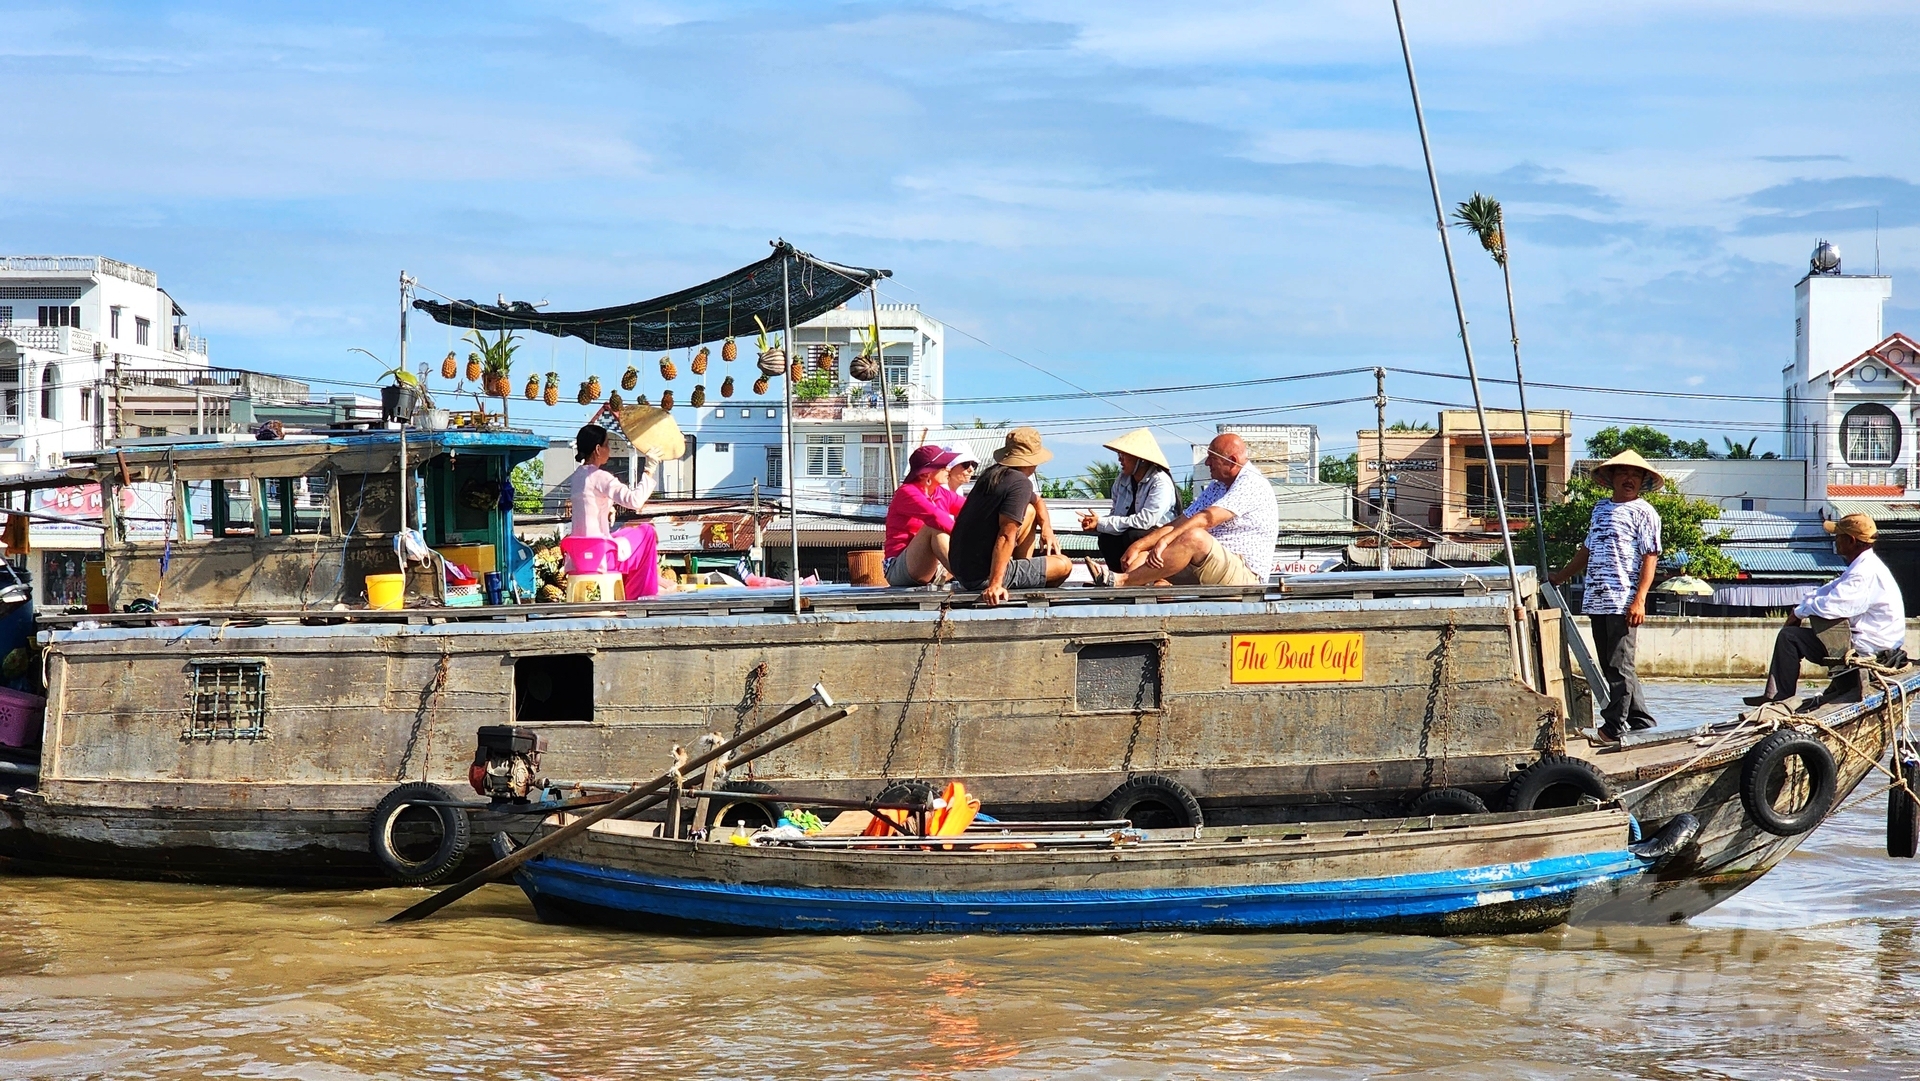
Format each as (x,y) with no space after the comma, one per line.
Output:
(589,555)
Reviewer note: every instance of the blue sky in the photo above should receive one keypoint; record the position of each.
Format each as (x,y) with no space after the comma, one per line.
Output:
(1120,194)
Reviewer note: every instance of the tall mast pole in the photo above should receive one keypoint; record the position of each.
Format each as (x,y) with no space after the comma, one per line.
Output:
(1526,419)
(786,423)
(1459,311)
(1380,462)
(886,411)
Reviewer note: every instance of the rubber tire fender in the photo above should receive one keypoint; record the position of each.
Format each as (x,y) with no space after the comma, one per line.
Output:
(771,811)
(1903,814)
(1446,801)
(456,835)
(1556,771)
(1769,757)
(1145,788)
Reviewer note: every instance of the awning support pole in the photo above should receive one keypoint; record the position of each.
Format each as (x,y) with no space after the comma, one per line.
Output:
(886,392)
(786,423)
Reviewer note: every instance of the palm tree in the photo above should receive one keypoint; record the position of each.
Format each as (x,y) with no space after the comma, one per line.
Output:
(1100,479)
(1482,215)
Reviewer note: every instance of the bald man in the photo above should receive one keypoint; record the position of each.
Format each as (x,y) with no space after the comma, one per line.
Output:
(1225,539)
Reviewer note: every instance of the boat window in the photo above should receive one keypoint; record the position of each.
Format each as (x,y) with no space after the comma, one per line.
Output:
(233,508)
(369,502)
(1117,676)
(555,688)
(228,699)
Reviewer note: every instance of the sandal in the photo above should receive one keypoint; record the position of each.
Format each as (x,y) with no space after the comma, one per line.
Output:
(1098,570)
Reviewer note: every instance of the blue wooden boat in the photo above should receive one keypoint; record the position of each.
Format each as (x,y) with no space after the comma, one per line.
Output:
(1442,875)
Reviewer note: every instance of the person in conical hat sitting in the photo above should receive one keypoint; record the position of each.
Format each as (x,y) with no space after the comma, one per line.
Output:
(1619,554)
(1144,497)
(1861,610)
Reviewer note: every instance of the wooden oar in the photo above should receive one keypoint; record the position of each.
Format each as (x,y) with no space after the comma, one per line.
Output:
(804,730)
(500,868)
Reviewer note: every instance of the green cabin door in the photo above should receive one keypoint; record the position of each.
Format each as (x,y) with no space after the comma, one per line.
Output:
(464,505)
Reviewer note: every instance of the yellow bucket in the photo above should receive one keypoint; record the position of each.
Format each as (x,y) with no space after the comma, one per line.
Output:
(386,590)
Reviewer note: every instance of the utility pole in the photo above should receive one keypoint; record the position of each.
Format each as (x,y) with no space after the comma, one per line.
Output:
(1380,462)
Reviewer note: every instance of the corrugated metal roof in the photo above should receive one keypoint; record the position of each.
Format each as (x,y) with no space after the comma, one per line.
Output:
(1822,562)
(1879,510)
(1754,525)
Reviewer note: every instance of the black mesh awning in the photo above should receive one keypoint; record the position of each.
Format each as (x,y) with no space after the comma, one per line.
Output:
(721,308)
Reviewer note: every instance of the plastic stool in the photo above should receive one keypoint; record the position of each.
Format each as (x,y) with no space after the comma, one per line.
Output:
(588,555)
(595,588)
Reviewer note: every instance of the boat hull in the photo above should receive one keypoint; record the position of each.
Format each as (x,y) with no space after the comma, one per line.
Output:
(1509,876)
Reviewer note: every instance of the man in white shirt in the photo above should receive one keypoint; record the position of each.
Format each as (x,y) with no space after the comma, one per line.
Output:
(1861,610)
(1226,538)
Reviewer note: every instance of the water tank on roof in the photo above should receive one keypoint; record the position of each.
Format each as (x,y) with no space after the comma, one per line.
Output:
(1826,259)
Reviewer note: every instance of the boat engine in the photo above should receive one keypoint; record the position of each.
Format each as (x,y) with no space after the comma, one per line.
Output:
(506,764)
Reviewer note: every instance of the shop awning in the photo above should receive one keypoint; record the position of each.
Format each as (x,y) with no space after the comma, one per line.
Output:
(722,308)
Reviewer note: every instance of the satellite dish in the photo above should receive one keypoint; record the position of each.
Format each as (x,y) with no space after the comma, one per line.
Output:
(1826,258)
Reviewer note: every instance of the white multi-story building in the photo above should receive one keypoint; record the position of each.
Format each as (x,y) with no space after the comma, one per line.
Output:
(67,325)
(1852,394)
(839,425)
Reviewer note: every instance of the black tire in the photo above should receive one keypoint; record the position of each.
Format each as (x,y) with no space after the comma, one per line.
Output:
(1446,801)
(1903,815)
(752,813)
(1152,802)
(1763,773)
(396,835)
(1557,781)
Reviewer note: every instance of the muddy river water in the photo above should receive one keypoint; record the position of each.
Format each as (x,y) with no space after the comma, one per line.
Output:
(1815,972)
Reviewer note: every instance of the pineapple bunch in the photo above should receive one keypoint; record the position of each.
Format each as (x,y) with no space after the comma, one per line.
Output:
(699,395)
(667,370)
(760,385)
(450,367)
(726,387)
(473,367)
(550,575)
(700,361)
(666,400)
(552,393)
(631,379)
(729,351)
(593,388)
(829,362)
(642,400)
(614,401)
(583,397)
(533,388)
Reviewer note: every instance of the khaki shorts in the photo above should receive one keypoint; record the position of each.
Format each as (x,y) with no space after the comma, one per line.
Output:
(1221,568)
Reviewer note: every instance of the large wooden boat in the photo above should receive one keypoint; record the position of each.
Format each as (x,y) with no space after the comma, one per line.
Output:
(244,731)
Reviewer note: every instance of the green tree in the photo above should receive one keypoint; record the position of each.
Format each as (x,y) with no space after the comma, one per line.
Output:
(1100,479)
(1680,533)
(1745,450)
(1064,488)
(1409,426)
(1648,442)
(1337,470)
(529,486)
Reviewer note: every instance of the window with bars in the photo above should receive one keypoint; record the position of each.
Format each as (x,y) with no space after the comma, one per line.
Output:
(826,456)
(59,316)
(142,330)
(1870,435)
(775,477)
(227,699)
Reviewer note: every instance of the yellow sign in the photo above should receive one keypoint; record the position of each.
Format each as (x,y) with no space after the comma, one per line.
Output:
(1298,658)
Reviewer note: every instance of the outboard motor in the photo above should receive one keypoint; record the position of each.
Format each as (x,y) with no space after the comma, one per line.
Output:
(506,764)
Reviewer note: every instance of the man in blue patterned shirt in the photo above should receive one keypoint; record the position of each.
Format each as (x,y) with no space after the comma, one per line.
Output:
(1622,546)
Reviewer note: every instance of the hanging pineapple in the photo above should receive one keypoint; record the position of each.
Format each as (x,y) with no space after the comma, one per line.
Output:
(583,397)
(631,379)
(666,399)
(473,367)
(794,371)
(760,385)
(613,401)
(593,388)
(728,350)
(642,400)
(552,394)
(533,387)
(829,362)
(726,387)
(699,395)
(667,370)
(700,361)
(450,367)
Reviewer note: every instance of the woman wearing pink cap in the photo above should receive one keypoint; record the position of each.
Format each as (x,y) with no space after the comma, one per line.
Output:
(919,520)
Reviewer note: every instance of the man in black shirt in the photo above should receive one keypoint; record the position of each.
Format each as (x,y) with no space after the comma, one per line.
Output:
(999,514)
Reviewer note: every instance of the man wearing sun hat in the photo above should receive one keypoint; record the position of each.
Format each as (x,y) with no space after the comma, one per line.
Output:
(999,515)
(1619,554)
(1861,610)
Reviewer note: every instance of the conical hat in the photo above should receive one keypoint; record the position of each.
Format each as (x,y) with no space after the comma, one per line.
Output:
(1604,471)
(653,432)
(1141,444)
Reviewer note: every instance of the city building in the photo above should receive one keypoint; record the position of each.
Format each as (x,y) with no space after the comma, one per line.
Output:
(1436,479)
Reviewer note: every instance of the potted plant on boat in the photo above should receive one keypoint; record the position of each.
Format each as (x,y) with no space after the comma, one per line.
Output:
(399,398)
(496,364)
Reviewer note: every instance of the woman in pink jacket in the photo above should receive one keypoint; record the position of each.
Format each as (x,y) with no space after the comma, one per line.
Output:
(595,493)
(919,520)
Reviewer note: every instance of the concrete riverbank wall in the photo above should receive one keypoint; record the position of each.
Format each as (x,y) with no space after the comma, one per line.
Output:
(1705,647)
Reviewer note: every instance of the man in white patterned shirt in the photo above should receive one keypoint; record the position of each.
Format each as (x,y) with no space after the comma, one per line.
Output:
(1621,549)
(1225,538)
(1861,610)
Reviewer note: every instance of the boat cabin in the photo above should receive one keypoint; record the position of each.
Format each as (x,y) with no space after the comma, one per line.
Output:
(231,523)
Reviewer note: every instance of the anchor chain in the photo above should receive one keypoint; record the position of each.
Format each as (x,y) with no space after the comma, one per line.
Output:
(749,704)
(1140,706)
(428,695)
(1436,706)
(900,726)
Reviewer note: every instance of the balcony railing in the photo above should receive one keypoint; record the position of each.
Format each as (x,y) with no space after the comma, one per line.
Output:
(40,264)
(859,404)
(48,339)
(1888,478)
